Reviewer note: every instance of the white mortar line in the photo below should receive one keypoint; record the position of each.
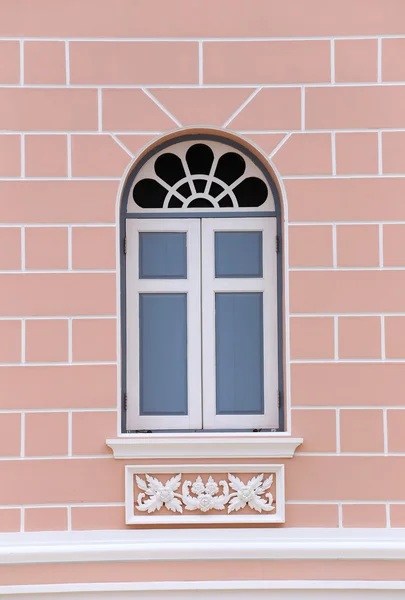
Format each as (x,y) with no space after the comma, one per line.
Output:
(181,86)
(279,145)
(338,431)
(60,363)
(160,105)
(23,338)
(385,428)
(379,60)
(70,248)
(70,433)
(69,518)
(102,504)
(383,337)
(22,520)
(381,244)
(22,248)
(123,146)
(388,515)
(352,407)
(22,150)
(326,269)
(200,63)
(332,61)
(380,152)
(22,447)
(173,39)
(242,106)
(67,62)
(22,62)
(56,410)
(303,108)
(100,109)
(332,361)
(50,317)
(334,246)
(326,222)
(333,142)
(340,515)
(60,271)
(336,337)
(70,341)
(69,155)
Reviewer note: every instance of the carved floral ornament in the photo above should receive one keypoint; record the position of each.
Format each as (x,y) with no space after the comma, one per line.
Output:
(204,496)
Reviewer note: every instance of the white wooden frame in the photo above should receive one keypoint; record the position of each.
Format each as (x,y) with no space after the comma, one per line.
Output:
(190,286)
(268,286)
(134,517)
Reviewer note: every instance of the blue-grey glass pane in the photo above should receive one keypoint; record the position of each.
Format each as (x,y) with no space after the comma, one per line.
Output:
(238,254)
(239,353)
(162,255)
(163,354)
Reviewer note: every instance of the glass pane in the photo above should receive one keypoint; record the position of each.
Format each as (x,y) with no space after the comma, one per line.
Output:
(238,254)
(239,353)
(162,255)
(163,354)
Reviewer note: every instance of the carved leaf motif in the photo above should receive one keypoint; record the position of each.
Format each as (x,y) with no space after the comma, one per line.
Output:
(204,496)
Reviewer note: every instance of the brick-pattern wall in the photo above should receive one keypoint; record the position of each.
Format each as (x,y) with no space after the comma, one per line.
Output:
(320,88)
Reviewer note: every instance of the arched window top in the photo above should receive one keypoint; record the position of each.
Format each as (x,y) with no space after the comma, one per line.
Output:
(199,175)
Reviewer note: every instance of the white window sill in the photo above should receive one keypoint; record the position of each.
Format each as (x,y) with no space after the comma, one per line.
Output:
(205,445)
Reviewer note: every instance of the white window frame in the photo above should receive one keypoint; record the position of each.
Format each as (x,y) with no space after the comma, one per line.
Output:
(190,286)
(268,286)
(200,287)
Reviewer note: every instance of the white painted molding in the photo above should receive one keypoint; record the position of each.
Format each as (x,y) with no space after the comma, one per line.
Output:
(177,473)
(202,544)
(203,445)
(188,590)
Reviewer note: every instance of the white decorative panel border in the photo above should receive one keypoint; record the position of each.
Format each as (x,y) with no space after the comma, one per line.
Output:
(214,493)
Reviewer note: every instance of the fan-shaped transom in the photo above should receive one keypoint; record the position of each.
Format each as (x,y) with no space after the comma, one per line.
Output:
(197,176)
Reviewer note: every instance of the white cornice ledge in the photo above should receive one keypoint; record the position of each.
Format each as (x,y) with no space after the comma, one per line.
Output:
(200,544)
(185,445)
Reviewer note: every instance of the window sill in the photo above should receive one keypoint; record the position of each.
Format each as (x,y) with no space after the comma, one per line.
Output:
(194,445)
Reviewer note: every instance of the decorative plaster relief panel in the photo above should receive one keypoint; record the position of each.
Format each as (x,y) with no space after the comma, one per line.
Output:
(198,494)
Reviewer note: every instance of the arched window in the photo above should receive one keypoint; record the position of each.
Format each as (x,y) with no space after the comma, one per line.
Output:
(201,287)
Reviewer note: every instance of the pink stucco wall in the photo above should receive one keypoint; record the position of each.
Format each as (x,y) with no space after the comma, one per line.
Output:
(319,87)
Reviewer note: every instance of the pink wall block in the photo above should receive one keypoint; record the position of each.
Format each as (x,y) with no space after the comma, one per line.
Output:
(312,337)
(310,246)
(395,424)
(132,110)
(78,201)
(41,109)
(394,245)
(356,153)
(397,513)
(267,62)
(93,247)
(10,155)
(46,248)
(305,154)
(311,515)
(46,340)
(345,384)
(71,386)
(271,108)
(46,434)
(98,517)
(202,106)
(364,515)
(356,61)
(10,341)
(10,520)
(134,63)
(349,199)
(361,431)
(94,340)
(90,431)
(393,152)
(359,337)
(44,62)
(10,435)
(9,61)
(394,337)
(393,52)
(10,249)
(317,427)
(45,519)
(97,156)
(46,156)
